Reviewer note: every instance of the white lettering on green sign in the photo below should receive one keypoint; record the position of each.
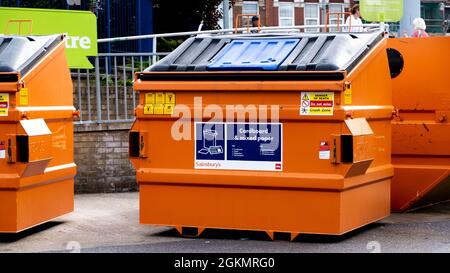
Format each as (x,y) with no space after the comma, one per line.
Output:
(79,26)
(381,10)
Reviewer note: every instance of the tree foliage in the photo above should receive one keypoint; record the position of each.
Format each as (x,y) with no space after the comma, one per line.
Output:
(47,4)
(185,15)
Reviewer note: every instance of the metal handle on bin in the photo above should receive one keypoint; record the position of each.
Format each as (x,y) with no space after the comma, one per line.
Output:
(10,153)
(137,146)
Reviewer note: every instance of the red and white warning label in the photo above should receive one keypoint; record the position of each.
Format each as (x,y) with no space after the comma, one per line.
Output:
(4,104)
(324,150)
(2,149)
(316,103)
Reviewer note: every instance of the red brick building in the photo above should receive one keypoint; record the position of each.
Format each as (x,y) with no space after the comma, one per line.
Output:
(309,12)
(289,12)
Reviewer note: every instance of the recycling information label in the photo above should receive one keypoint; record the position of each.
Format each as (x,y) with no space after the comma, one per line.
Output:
(316,103)
(238,146)
(4,104)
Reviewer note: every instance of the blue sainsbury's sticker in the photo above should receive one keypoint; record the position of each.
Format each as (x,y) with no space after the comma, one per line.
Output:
(238,146)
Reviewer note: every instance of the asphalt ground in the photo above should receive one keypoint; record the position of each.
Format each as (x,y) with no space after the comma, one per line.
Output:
(109,223)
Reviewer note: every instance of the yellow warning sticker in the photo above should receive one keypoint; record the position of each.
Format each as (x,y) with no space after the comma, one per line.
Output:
(23,96)
(158,109)
(160,103)
(316,103)
(168,109)
(160,98)
(348,96)
(149,98)
(4,104)
(148,109)
(170,98)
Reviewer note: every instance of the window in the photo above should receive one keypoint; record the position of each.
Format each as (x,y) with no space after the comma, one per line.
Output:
(249,7)
(286,14)
(335,18)
(312,17)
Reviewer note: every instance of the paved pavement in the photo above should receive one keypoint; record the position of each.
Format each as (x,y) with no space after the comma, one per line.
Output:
(110,223)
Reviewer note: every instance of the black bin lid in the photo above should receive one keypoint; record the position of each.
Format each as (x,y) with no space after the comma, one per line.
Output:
(21,53)
(313,52)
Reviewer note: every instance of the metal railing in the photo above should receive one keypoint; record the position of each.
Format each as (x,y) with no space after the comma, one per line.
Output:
(155,37)
(434,25)
(105,93)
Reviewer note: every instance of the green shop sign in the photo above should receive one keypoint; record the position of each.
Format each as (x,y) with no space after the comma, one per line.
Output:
(381,10)
(79,26)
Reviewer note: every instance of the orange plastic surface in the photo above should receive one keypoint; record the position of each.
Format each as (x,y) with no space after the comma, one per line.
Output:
(310,195)
(421,131)
(39,188)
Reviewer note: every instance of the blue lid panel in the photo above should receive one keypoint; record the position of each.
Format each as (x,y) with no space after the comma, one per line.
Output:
(253,54)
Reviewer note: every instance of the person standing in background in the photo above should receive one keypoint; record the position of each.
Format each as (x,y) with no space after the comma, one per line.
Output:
(419,28)
(255,23)
(354,22)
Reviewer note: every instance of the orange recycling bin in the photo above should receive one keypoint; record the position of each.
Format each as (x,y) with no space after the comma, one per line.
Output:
(278,133)
(36,132)
(421,129)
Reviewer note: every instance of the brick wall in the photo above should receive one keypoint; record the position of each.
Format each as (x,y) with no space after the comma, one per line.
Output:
(101,154)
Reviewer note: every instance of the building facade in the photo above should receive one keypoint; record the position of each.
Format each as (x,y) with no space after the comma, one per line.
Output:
(290,12)
(310,12)
(434,12)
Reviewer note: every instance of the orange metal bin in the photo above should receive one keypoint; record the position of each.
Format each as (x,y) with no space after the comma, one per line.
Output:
(36,131)
(421,130)
(329,174)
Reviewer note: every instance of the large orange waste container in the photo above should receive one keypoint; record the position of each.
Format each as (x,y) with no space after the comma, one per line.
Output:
(276,133)
(421,130)
(36,131)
